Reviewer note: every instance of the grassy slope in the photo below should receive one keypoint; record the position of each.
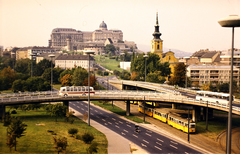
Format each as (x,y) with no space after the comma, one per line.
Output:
(38,140)
(110,64)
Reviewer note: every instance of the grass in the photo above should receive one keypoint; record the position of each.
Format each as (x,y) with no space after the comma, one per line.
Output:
(6,91)
(110,64)
(216,126)
(38,140)
(57,86)
(119,111)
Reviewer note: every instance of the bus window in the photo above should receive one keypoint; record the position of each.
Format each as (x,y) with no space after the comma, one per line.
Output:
(63,89)
(83,88)
(79,89)
(86,89)
(68,89)
(75,89)
(90,89)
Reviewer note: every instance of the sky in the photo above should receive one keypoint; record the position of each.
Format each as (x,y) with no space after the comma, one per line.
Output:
(186,25)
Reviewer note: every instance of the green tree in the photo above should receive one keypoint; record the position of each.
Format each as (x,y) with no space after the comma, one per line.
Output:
(4,83)
(116,72)
(72,131)
(21,66)
(37,84)
(18,85)
(10,75)
(42,65)
(57,110)
(16,129)
(67,71)
(92,148)
(109,48)
(179,75)
(79,75)
(99,72)
(155,77)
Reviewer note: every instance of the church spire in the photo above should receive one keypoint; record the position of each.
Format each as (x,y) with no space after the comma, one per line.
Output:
(156,33)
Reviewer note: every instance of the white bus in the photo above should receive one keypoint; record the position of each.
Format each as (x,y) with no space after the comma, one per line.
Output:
(75,91)
(215,97)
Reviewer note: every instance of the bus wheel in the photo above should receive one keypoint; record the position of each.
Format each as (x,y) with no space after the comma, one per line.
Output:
(65,95)
(84,94)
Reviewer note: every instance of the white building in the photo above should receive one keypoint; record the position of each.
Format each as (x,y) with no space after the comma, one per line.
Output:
(204,74)
(70,61)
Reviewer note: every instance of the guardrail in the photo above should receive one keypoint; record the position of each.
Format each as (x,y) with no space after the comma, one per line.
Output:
(28,94)
(149,95)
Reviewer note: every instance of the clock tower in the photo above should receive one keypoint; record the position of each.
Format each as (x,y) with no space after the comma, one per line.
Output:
(156,43)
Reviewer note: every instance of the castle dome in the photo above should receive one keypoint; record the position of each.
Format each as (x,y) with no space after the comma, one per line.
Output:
(103,26)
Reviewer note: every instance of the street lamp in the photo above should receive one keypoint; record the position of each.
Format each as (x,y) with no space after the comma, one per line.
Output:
(51,56)
(230,21)
(32,64)
(88,52)
(123,64)
(145,56)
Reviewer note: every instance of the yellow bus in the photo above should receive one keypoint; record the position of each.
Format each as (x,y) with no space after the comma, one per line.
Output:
(148,109)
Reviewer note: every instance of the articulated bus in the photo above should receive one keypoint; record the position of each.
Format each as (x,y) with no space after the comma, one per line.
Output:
(215,97)
(172,119)
(75,91)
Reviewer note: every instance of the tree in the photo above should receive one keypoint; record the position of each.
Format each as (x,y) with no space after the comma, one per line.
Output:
(66,80)
(179,75)
(93,81)
(155,77)
(79,75)
(134,76)
(67,71)
(10,75)
(60,144)
(21,66)
(99,72)
(57,110)
(72,131)
(18,85)
(16,130)
(109,48)
(116,72)
(36,84)
(42,65)
(92,148)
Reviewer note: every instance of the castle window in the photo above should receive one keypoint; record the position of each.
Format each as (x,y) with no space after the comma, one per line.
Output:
(158,46)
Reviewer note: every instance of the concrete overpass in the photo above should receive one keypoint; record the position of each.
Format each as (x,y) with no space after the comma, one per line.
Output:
(127,96)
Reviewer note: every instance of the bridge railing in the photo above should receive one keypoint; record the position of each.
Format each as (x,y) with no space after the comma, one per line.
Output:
(21,94)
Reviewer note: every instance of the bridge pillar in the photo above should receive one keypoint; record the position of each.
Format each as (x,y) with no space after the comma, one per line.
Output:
(174,106)
(66,103)
(2,111)
(196,113)
(128,108)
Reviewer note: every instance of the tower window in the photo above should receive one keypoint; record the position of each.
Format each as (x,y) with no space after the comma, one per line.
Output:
(158,46)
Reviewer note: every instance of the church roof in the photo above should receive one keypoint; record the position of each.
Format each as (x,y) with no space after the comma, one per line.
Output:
(103,25)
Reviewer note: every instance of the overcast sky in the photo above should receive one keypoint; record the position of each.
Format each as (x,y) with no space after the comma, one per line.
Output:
(186,25)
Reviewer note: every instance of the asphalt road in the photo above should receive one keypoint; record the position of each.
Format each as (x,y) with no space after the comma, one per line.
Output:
(146,139)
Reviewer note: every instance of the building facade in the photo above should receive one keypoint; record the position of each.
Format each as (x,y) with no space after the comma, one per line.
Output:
(66,61)
(226,57)
(204,74)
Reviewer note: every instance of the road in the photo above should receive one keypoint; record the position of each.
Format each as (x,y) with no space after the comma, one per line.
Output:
(104,82)
(148,140)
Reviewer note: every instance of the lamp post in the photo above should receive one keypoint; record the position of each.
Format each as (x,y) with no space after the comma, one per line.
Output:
(32,64)
(123,63)
(51,56)
(13,56)
(230,21)
(88,52)
(145,56)
(186,78)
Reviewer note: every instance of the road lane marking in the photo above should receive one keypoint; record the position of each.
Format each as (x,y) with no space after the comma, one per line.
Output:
(125,130)
(173,146)
(105,124)
(186,153)
(117,126)
(149,131)
(81,104)
(135,135)
(157,147)
(74,104)
(173,142)
(159,143)
(123,133)
(95,110)
(148,134)
(97,116)
(82,109)
(109,122)
(128,125)
(143,145)
(78,107)
(103,120)
(121,122)
(113,119)
(146,141)
(100,112)
(116,123)
(159,140)
(91,113)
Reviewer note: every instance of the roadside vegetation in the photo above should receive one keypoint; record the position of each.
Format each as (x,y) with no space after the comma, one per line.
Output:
(44,135)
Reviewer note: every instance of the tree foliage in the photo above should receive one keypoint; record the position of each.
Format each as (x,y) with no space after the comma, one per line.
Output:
(18,85)
(36,84)
(21,66)
(9,75)
(79,75)
(60,144)
(42,66)
(57,110)
(179,75)
(155,77)
(109,48)
(66,80)
(72,131)
(93,81)
(15,130)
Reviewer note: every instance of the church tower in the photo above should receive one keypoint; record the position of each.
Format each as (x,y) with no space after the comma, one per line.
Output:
(156,43)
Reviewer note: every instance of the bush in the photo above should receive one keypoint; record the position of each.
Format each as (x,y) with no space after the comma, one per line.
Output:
(14,112)
(78,137)
(72,131)
(106,73)
(87,137)
(92,148)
